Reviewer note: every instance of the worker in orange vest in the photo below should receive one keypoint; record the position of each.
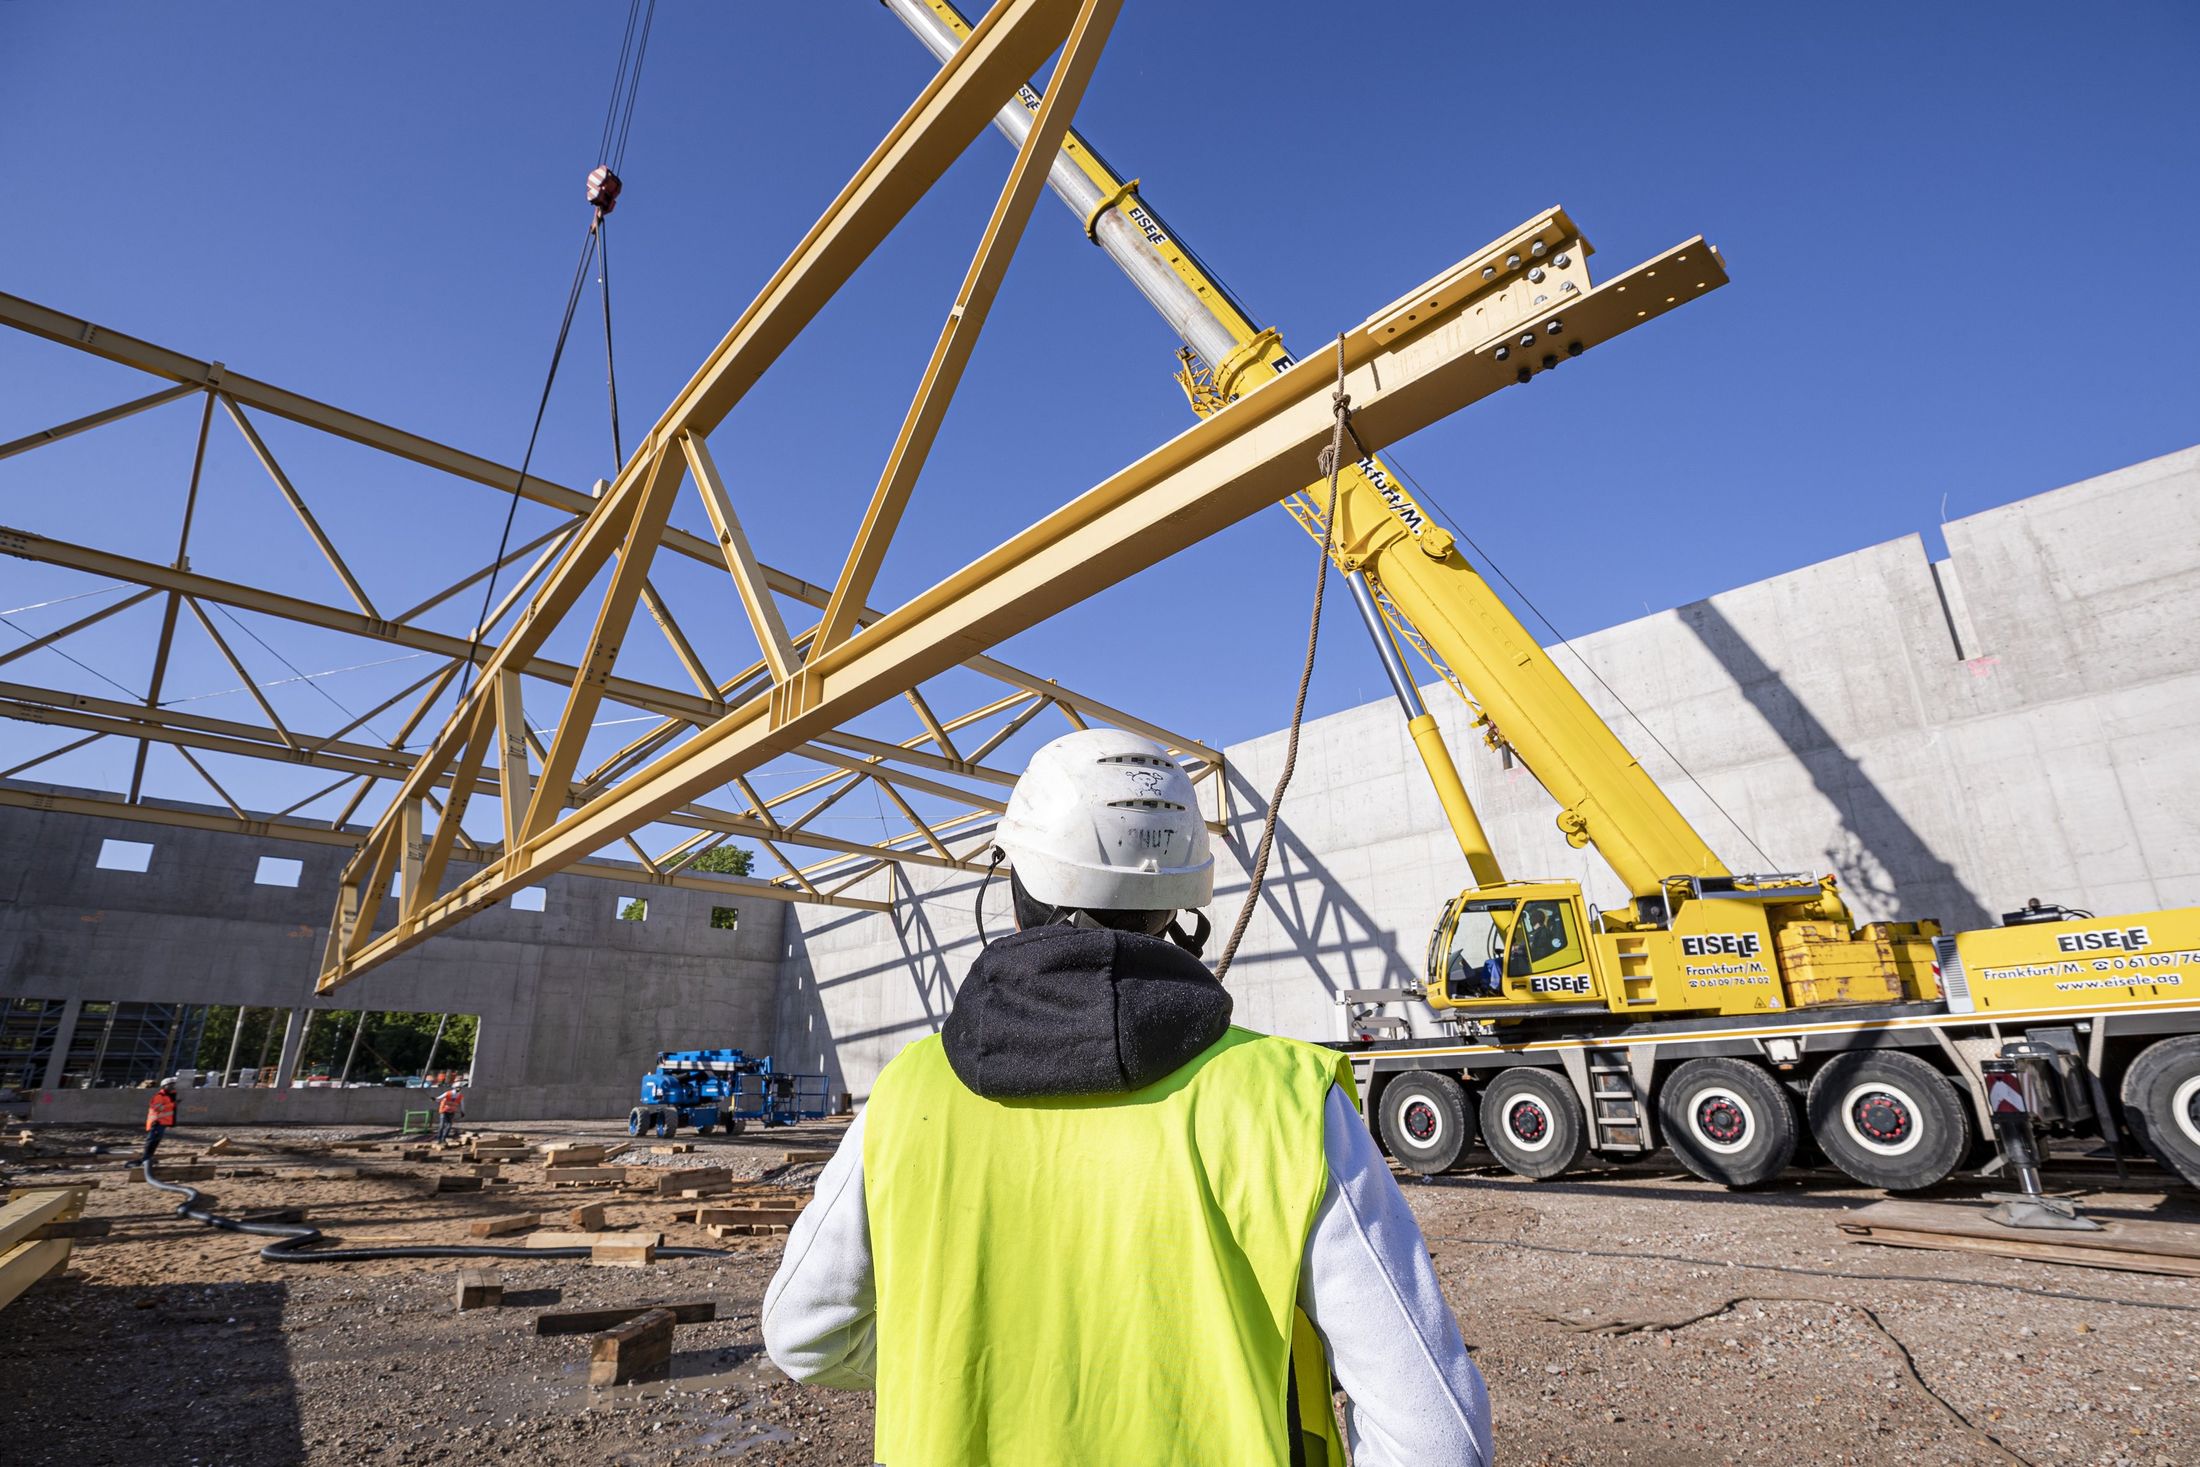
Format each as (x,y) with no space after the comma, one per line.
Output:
(448,1107)
(159,1116)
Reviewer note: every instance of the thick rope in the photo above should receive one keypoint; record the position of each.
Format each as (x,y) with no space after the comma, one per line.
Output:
(1332,463)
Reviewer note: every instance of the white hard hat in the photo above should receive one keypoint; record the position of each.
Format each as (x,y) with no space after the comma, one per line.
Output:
(1106,820)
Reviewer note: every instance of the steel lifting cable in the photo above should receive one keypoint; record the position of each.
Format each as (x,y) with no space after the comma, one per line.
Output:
(603,195)
(1332,463)
(604,185)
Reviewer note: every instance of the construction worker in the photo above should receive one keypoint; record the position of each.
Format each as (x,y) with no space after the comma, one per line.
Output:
(1092,1222)
(160,1116)
(449,1106)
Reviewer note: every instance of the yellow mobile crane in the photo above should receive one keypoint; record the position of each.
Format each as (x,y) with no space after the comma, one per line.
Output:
(1716,1001)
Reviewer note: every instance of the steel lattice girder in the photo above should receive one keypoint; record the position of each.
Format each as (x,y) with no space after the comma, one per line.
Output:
(1427,355)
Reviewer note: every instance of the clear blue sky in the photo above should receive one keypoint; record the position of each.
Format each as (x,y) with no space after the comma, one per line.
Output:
(1956,235)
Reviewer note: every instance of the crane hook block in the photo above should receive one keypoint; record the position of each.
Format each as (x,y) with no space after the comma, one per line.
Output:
(603,190)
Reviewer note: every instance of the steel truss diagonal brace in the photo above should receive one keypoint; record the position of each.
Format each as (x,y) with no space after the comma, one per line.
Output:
(1425,356)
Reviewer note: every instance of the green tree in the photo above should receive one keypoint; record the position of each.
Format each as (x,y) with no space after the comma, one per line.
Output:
(727,860)
(634,909)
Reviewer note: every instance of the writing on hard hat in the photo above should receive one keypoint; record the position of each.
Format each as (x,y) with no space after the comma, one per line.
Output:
(1106,819)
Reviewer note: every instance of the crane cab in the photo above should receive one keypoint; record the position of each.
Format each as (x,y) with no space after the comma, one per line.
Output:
(1519,945)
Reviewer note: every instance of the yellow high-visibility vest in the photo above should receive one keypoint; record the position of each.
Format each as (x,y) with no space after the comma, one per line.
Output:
(1104,1280)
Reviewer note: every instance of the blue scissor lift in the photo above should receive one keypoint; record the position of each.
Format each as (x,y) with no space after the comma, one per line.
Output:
(710,1088)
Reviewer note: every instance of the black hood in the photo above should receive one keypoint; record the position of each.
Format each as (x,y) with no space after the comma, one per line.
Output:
(1063,1010)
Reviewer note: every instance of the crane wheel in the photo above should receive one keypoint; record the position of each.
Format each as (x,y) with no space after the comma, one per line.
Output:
(1426,1121)
(1532,1123)
(1728,1121)
(1889,1119)
(635,1125)
(2161,1095)
(668,1121)
(735,1126)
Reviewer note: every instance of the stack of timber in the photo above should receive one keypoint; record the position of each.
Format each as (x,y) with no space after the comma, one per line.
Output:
(573,1165)
(2134,1247)
(34,1237)
(628,1250)
(691,1182)
(585,1176)
(754,1219)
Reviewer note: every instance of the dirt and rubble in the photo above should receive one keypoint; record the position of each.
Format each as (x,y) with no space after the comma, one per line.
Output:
(1636,1316)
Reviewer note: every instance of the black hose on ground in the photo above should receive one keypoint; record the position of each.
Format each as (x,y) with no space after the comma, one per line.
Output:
(297,1237)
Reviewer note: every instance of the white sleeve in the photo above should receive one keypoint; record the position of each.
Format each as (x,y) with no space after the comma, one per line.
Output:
(1415,1398)
(820,1313)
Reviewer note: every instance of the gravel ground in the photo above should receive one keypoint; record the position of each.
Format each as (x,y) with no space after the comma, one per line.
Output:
(1637,1316)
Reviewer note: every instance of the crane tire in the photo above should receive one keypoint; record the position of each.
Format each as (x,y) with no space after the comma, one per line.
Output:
(2161,1095)
(1728,1121)
(1889,1119)
(702,1130)
(634,1123)
(1426,1121)
(1533,1124)
(668,1121)
(735,1126)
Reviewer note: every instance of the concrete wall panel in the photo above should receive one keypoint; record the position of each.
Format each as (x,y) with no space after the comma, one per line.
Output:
(574,1005)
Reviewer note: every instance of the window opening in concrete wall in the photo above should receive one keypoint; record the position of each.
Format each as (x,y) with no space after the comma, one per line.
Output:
(630,909)
(28,1027)
(727,918)
(354,1050)
(124,855)
(278,871)
(529,899)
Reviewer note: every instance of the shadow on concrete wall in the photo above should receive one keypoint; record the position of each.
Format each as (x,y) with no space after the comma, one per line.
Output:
(802,1031)
(1332,935)
(931,965)
(1875,851)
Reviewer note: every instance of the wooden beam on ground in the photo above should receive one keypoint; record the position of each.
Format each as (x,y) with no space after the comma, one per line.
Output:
(19,1219)
(636,1350)
(619,1251)
(588,1240)
(589,1321)
(478,1288)
(26,1263)
(2133,1247)
(496,1227)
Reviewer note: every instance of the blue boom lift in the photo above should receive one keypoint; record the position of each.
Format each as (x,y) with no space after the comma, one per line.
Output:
(709,1088)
